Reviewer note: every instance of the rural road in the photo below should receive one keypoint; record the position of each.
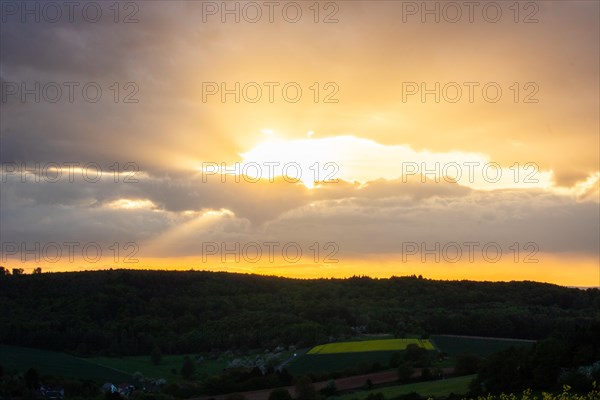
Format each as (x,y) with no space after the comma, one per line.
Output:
(351,382)
(292,358)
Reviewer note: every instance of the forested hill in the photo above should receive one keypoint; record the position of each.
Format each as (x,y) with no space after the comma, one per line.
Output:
(122,312)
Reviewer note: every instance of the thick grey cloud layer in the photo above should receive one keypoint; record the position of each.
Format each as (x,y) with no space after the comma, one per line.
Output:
(363,219)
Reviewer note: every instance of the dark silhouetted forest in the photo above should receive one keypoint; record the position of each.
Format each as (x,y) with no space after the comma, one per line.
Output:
(126,312)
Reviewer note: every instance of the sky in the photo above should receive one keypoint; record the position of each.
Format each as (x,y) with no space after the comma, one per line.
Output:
(305,139)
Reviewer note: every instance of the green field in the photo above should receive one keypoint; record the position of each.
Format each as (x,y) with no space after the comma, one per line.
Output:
(444,387)
(58,364)
(333,357)
(144,365)
(102,369)
(369,345)
(169,363)
(453,345)
(336,362)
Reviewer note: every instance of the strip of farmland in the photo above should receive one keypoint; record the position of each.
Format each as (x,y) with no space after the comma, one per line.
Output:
(370,345)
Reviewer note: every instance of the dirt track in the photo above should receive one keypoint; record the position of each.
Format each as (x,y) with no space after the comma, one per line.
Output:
(351,382)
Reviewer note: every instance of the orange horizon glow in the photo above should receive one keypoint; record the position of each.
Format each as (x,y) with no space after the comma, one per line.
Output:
(550,269)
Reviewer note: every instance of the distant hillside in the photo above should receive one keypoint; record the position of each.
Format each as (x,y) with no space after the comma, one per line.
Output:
(127,312)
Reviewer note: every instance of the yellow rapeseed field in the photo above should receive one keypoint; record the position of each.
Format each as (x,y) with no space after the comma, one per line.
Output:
(369,345)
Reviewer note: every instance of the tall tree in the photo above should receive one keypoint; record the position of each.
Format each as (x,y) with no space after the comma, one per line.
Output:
(188,368)
(304,389)
(32,378)
(280,394)
(405,372)
(156,355)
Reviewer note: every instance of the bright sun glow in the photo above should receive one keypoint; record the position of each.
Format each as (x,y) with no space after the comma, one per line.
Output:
(131,204)
(357,159)
(217,213)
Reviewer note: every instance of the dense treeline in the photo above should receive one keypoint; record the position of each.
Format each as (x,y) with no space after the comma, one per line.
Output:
(125,312)
(570,359)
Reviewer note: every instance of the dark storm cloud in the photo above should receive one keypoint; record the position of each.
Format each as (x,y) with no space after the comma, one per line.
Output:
(368,219)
